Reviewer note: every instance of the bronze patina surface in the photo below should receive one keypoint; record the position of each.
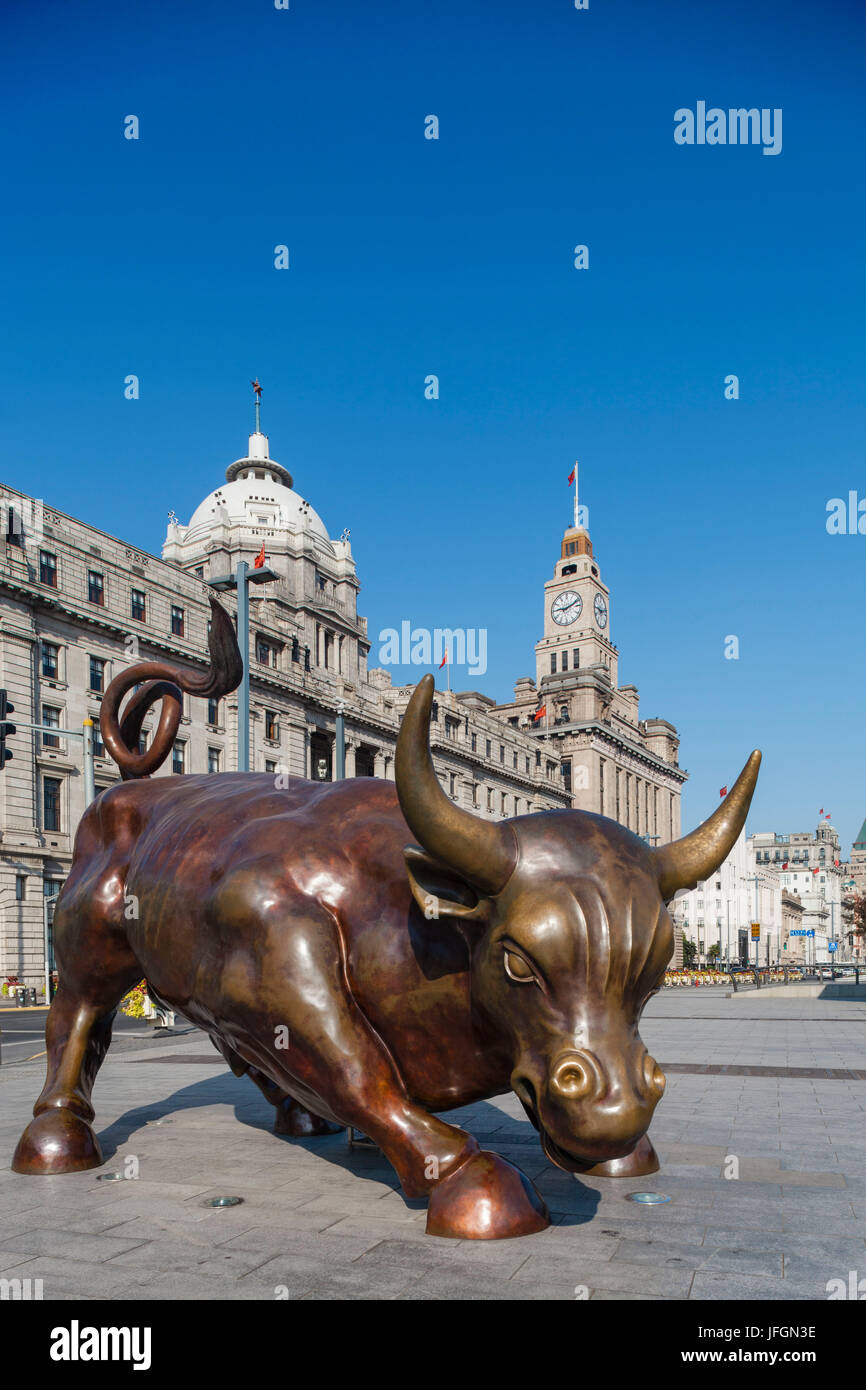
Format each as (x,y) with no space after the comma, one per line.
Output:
(411,977)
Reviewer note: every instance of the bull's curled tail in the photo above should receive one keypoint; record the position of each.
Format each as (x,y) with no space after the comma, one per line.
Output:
(160,681)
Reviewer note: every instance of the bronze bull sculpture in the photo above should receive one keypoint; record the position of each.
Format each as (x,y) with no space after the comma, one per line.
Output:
(408,979)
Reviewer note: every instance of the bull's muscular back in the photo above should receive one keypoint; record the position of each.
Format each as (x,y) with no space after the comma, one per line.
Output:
(222,867)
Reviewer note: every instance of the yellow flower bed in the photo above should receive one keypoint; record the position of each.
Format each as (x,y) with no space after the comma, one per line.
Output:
(132,1004)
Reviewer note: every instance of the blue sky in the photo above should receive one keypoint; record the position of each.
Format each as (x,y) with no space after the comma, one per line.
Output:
(408,257)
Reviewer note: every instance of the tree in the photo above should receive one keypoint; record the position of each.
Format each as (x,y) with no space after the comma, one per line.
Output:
(690,950)
(858,904)
(715,951)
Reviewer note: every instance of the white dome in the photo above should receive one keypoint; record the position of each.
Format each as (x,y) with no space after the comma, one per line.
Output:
(257,494)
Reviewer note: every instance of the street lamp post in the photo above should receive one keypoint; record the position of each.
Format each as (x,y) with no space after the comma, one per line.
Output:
(241,580)
(340,742)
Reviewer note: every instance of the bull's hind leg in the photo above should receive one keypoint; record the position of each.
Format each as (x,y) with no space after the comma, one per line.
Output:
(291,1117)
(59,1139)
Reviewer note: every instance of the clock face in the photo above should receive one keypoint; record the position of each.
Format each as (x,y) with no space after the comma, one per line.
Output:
(600,611)
(567,608)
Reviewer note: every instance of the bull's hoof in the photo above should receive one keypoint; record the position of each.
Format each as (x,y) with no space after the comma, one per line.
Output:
(57,1141)
(292,1119)
(486,1199)
(642,1161)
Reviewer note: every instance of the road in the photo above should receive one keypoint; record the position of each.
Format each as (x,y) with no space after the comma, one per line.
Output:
(22,1033)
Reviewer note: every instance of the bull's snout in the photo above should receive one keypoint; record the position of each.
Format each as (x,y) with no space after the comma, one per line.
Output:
(591,1110)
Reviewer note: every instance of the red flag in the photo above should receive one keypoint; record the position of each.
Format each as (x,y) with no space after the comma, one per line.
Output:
(259,561)
(723,791)
(821,812)
(836,862)
(814,871)
(444,659)
(827,817)
(785,865)
(571,475)
(539,713)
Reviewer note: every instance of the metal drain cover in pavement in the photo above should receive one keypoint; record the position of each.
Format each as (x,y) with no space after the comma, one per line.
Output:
(649,1199)
(223,1202)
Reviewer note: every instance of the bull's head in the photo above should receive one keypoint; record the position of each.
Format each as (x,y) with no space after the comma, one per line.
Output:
(566,919)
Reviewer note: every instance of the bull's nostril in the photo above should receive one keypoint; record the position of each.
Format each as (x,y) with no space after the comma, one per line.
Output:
(573,1078)
(653,1075)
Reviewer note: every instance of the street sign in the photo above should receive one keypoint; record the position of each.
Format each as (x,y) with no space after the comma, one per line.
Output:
(831,945)
(756,931)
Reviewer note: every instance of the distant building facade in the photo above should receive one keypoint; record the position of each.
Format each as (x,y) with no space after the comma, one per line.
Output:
(810,865)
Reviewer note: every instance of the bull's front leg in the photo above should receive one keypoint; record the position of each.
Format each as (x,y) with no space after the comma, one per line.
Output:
(336,1064)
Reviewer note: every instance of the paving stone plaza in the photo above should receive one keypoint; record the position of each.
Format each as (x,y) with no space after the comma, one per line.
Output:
(321,1220)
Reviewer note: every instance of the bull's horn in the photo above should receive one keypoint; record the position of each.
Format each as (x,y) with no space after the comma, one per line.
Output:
(483,852)
(692,859)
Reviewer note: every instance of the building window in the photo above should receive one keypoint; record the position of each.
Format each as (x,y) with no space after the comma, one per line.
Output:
(270,765)
(489,750)
(142,741)
(199,570)
(474,743)
(272,726)
(434,712)
(176,621)
(527,764)
(565,661)
(563,714)
(50,660)
(503,802)
(213,711)
(97,675)
(601,786)
(95,588)
(296,649)
(451,727)
(48,568)
(553,663)
(138,607)
(452,783)
(178,756)
(575,659)
(266,652)
(51,803)
(96,737)
(50,718)
(490,798)
(213,760)
(514,760)
(565,770)
(20,887)
(306,658)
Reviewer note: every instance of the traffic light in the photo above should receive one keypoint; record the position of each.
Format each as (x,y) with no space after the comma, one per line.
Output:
(5,728)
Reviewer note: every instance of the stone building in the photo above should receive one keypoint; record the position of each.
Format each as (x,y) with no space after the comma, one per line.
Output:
(809,864)
(77,606)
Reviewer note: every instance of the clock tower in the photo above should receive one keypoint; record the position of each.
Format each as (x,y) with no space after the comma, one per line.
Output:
(576,611)
(588,727)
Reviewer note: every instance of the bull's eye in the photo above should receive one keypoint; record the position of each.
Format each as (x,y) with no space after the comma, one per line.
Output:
(516,968)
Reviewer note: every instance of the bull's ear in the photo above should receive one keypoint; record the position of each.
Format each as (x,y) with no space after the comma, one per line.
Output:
(441,892)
